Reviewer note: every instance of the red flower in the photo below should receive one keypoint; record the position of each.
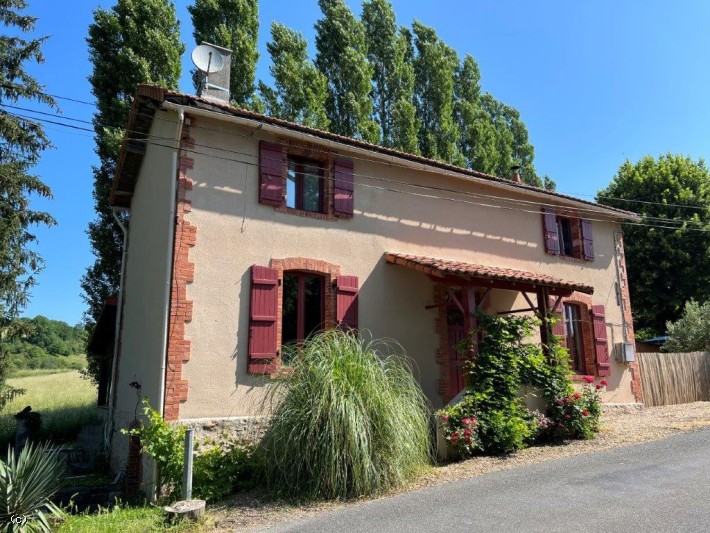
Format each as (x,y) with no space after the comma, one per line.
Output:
(468,440)
(467,432)
(603,382)
(444,417)
(559,401)
(585,412)
(568,417)
(599,387)
(560,425)
(588,379)
(576,396)
(465,421)
(454,437)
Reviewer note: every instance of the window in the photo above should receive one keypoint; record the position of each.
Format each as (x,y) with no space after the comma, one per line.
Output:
(567,236)
(304,185)
(573,333)
(318,188)
(302,306)
(564,236)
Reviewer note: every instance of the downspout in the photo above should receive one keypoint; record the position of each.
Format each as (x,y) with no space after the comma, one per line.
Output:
(117,334)
(169,261)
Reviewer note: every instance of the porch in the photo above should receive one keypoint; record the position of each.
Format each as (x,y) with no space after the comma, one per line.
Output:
(461,289)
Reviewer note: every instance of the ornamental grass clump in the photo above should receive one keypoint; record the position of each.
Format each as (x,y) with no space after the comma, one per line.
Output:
(349,420)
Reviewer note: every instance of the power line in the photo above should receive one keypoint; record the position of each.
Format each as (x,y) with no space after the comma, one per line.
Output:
(660,222)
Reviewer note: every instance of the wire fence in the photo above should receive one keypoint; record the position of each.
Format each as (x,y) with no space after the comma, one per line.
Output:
(671,378)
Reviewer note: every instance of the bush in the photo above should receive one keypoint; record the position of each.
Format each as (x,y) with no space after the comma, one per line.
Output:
(691,332)
(165,443)
(225,469)
(349,420)
(27,482)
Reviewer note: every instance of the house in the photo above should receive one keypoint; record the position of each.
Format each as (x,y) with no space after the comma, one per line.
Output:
(246,232)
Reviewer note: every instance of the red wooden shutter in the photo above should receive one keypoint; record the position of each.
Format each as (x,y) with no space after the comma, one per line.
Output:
(262,319)
(549,224)
(271,180)
(347,295)
(344,193)
(587,240)
(601,345)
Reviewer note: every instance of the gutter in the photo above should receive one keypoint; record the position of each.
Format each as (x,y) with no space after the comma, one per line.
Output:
(169,261)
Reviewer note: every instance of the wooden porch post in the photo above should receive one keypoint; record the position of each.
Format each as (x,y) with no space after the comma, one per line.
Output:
(543,311)
(468,295)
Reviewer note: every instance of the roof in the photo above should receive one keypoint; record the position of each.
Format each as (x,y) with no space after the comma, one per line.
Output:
(656,340)
(485,274)
(149,98)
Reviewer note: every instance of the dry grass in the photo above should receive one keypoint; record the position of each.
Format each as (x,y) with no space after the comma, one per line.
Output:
(621,426)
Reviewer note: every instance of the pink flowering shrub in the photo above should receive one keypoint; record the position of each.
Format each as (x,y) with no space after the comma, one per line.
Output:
(460,428)
(576,415)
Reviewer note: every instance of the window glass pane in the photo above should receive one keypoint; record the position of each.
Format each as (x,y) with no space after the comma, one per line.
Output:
(574,337)
(289,327)
(313,308)
(311,188)
(291,185)
(564,234)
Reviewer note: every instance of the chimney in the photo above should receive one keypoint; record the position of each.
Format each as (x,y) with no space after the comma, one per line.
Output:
(516,174)
(215,86)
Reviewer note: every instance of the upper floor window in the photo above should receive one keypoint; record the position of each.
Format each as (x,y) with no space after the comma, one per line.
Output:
(304,185)
(567,236)
(321,188)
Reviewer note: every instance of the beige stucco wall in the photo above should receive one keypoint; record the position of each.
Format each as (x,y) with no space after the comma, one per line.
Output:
(234,231)
(141,350)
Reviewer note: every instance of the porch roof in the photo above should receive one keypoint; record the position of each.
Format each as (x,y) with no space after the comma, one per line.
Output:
(487,276)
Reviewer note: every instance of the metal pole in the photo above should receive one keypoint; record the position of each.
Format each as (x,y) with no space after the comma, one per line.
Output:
(187,467)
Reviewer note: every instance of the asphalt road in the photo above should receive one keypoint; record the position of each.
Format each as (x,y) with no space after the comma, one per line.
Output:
(660,486)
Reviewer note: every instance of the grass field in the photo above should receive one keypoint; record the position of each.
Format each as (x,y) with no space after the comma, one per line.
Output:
(65,400)
(127,520)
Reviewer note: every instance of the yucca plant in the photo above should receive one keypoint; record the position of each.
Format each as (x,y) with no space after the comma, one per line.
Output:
(27,482)
(349,420)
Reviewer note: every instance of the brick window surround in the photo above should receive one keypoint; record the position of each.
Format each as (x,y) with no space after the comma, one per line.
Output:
(584,302)
(325,160)
(328,271)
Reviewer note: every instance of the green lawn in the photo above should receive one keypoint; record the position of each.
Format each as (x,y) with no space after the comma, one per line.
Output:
(125,520)
(66,401)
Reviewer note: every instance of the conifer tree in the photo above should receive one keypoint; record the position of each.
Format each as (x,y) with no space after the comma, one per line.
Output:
(136,41)
(342,57)
(389,53)
(232,24)
(21,143)
(300,89)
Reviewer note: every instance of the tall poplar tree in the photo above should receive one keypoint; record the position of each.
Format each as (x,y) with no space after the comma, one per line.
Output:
(389,52)
(300,89)
(435,65)
(21,144)
(232,24)
(342,56)
(136,41)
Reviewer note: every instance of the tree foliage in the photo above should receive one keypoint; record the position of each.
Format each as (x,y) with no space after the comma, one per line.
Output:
(666,267)
(342,57)
(136,41)
(691,332)
(435,65)
(232,24)
(300,89)
(21,144)
(46,343)
(389,53)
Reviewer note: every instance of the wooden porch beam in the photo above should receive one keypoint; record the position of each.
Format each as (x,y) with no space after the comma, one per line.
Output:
(517,286)
(517,311)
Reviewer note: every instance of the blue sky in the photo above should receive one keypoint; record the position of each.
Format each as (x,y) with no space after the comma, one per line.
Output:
(596,83)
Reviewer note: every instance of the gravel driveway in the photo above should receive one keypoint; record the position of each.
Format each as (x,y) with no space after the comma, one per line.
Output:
(621,426)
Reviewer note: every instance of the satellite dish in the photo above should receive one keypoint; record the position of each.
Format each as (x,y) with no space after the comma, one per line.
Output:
(207,58)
